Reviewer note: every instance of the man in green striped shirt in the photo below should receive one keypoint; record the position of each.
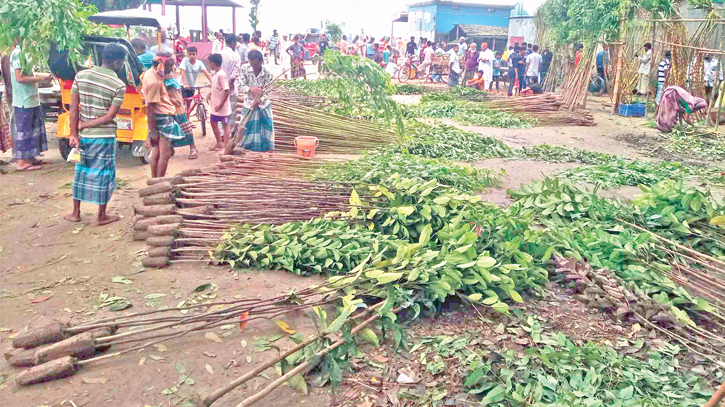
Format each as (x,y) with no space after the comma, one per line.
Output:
(96,96)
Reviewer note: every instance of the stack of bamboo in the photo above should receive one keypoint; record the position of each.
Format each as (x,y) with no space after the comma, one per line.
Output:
(575,90)
(195,208)
(546,108)
(336,134)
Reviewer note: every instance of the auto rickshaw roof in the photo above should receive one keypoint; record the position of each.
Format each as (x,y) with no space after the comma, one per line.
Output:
(131,17)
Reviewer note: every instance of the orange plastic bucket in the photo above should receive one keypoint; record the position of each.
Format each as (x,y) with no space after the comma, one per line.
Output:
(306,146)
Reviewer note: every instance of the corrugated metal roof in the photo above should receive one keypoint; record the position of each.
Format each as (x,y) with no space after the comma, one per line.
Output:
(507,4)
(471,30)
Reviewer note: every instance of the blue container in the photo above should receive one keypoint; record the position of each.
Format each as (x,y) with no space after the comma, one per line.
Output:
(633,110)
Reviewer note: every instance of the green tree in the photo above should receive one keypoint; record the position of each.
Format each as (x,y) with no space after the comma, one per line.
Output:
(37,24)
(334,30)
(108,5)
(254,14)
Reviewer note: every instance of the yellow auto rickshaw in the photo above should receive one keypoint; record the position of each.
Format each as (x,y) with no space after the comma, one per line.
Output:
(131,118)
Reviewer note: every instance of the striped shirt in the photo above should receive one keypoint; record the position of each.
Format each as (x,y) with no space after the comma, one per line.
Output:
(99,89)
(664,65)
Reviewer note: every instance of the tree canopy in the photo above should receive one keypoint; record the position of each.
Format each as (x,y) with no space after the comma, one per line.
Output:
(571,21)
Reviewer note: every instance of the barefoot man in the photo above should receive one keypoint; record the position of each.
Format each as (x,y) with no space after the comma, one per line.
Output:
(160,111)
(96,96)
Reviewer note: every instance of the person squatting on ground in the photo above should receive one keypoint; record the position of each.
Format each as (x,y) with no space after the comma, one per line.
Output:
(96,96)
(219,106)
(255,84)
(160,112)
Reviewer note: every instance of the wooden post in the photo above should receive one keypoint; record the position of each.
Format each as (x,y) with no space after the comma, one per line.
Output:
(653,41)
(178,22)
(234,20)
(204,29)
(163,7)
(620,62)
(128,33)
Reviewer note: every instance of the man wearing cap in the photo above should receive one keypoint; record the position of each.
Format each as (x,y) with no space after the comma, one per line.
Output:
(462,47)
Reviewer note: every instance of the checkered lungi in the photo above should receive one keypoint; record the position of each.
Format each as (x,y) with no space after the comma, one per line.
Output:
(95,175)
(168,129)
(29,139)
(259,133)
(186,128)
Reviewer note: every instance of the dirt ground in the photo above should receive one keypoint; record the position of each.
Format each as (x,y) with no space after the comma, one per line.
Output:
(54,269)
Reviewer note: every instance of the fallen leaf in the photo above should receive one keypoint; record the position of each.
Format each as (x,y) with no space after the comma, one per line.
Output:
(244,343)
(285,326)
(190,381)
(636,328)
(209,369)
(142,361)
(242,317)
(500,329)
(211,355)
(213,337)
(249,359)
(155,357)
(202,287)
(225,327)
(160,347)
(180,368)
(380,359)
(94,380)
(121,279)
(37,300)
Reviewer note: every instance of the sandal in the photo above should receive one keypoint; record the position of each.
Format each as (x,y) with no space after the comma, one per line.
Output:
(193,155)
(29,168)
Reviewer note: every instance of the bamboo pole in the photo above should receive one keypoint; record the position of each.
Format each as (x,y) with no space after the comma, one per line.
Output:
(653,38)
(620,63)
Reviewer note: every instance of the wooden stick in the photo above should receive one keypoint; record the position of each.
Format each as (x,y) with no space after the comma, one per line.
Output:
(210,399)
(303,366)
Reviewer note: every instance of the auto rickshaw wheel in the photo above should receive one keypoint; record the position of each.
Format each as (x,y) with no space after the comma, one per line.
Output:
(146,158)
(64,147)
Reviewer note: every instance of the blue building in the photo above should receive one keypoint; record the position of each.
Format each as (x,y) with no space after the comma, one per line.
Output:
(436,18)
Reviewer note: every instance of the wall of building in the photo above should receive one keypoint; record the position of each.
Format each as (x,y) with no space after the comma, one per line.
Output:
(422,21)
(448,16)
(522,27)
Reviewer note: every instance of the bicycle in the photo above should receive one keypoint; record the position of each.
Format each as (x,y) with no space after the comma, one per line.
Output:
(196,102)
(406,69)
(597,86)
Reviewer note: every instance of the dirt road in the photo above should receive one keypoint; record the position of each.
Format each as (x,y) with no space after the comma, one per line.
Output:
(51,268)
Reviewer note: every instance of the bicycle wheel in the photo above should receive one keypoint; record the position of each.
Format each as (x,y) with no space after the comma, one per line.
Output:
(404,73)
(201,115)
(597,85)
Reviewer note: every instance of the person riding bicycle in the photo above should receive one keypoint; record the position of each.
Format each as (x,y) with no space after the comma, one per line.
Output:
(190,68)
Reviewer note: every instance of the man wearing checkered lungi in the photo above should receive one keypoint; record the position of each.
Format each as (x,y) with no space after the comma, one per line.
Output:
(255,87)
(96,96)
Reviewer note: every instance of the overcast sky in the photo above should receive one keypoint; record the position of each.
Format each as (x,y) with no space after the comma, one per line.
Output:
(291,16)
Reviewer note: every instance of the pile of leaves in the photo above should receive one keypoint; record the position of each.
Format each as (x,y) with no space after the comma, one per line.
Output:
(410,89)
(558,154)
(690,141)
(470,113)
(444,141)
(619,172)
(415,244)
(581,225)
(456,93)
(376,167)
(554,371)
(320,87)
